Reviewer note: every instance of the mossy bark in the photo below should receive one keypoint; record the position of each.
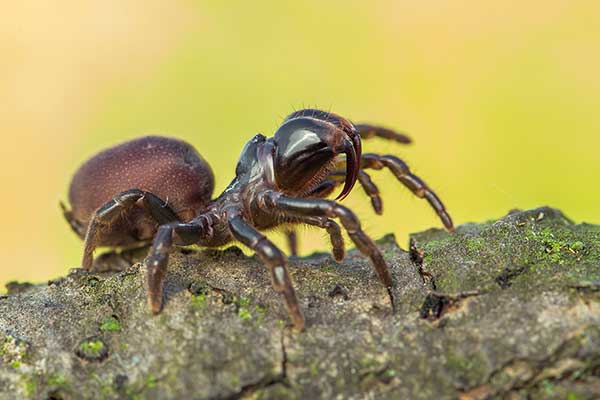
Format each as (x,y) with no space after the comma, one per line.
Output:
(504,309)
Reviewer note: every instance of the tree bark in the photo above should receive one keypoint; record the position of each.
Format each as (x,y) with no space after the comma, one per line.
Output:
(503,309)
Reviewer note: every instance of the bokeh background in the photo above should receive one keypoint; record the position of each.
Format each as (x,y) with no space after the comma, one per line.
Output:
(501,98)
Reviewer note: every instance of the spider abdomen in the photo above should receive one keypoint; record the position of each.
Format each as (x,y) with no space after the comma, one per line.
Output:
(169,168)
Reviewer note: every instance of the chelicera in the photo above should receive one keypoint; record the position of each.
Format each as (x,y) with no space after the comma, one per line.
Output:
(159,190)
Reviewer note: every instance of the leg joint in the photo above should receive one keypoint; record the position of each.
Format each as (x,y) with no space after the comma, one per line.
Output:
(347,217)
(270,254)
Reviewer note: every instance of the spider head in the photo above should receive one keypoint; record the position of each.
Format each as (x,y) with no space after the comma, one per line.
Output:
(306,145)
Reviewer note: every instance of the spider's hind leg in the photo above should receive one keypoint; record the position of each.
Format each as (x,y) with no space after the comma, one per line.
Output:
(111,211)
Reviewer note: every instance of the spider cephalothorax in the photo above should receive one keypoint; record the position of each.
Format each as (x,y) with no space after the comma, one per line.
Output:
(159,190)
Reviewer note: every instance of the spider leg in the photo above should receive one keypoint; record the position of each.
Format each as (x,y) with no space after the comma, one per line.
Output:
(332,228)
(408,179)
(368,131)
(327,208)
(335,234)
(368,186)
(77,227)
(292,240)
(113,209)
(179,233)
(274,259)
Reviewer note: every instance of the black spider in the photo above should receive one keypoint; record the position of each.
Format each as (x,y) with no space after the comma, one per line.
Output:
(159,189)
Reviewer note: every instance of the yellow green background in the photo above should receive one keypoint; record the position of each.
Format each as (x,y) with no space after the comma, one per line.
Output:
(501,98)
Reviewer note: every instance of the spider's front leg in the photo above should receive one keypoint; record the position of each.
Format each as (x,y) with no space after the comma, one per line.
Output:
(367,184)
(402,173)
(193,232)
(274,259)
(415,184)
(272,201)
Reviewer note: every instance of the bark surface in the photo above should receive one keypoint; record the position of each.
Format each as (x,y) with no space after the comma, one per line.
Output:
(502,309)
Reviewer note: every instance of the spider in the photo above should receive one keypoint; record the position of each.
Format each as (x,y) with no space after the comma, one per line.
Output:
(159,190)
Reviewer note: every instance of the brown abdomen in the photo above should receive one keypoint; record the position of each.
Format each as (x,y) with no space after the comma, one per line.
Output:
(170,168)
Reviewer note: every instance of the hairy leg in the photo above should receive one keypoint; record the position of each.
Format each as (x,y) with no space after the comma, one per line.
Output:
(325,188)
(408,179)
(368,131)
(368,186)
(112,210)
(292,240)
(332,228)
(275,260)
(327,208)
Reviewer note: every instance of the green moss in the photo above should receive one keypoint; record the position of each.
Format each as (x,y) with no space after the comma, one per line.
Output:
(12,350)
(93,282)
(577,246)
(326,268)
(557,245)
(151,381)
(553,246)
(261,310)
(314,369)
(110,324)
(388,253)
(548,387)
(30,385)
(198,301)
(244,314)
(57,380)
(93,349)
(475,245)
(435,245)
(92,346)
(243,309)
(389,373)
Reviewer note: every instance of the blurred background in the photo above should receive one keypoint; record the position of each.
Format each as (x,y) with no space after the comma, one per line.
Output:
(502,100)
